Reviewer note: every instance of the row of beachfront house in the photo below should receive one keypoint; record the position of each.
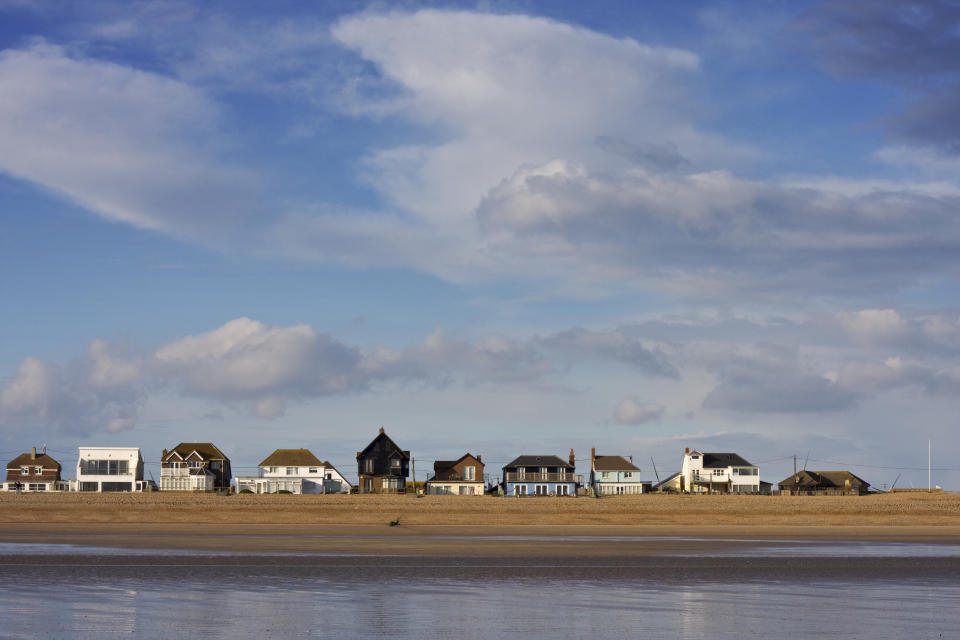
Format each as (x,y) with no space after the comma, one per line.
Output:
(383,467)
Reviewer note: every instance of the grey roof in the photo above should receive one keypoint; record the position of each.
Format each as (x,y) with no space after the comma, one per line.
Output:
(538,461)
(206,450)
(613,463)
(724,460)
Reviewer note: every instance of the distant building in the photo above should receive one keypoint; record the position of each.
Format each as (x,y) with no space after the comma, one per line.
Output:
(194,466)
(824,483)
(614,475)
(540,476)
(296,471)
(382,466)
(34,472)
(108,469)
(718,473)
(463,477)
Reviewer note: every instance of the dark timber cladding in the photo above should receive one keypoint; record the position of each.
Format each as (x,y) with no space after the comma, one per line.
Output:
(382,466)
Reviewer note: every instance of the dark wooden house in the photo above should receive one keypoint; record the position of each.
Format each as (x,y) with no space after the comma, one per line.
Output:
(382,466)
(824,483)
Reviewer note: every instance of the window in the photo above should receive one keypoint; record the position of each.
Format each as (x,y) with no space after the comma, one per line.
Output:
(37,487)
(329,476)
(391,483)
(718,472)
(89,486)
(627,474)
(470,473)
(368,485)
(312,470)
(274,469)
(194,464)
(606,474)
(368,465)
(24,471)
(38,470)
(564,490)
(519,489)
(291,471)
(176,465)
(466,491)
(395,464)
(541,490)
(215,464)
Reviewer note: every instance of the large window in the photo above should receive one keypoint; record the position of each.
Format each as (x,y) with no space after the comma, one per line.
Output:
(116,486)
(470,473)
(519,489)
(563,490)
(291,471)
(541,490)
(105,467)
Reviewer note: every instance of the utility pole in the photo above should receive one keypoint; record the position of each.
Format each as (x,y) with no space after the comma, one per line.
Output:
(413,470)
(928,466)
(794,464)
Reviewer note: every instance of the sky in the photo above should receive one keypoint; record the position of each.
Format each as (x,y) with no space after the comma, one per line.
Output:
(504,227)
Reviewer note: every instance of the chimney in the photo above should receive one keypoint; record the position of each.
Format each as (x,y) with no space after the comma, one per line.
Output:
(381,429)
(479,458)
(686,450)
(593,457)
(573,459)
(33,453)
(164,454)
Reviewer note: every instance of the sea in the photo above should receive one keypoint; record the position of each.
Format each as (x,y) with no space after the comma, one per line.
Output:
(781,589)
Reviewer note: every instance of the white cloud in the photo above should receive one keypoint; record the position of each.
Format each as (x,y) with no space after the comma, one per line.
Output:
(630,410)
(128,145)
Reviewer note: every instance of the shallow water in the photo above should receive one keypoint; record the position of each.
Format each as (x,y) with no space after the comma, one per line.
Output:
(794,588)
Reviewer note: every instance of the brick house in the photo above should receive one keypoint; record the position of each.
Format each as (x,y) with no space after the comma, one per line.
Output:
(463,477)
(33,472)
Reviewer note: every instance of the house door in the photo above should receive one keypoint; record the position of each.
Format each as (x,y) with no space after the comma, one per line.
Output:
(541,490)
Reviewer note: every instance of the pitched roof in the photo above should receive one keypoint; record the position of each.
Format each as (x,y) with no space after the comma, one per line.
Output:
(538,461)
(807,478)
(723,460)
(443,469)
(291,458)
(206,450)
(26,459)
(383,434)
(613,463)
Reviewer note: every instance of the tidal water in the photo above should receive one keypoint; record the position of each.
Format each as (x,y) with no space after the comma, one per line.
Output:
(874,591)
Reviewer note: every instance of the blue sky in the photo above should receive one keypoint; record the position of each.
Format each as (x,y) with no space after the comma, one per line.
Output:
(502,227)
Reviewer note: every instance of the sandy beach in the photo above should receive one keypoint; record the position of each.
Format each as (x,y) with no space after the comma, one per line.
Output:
(448,525)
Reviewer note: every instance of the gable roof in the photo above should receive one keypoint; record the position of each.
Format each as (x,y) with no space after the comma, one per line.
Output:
(613,463)
(291,458)
(723,460)
(538,461)
(206,450)
(807,478)
(26,459)
(444,469)
(392,445)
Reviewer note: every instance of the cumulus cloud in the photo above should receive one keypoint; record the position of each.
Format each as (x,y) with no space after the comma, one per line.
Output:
(630,410)
(936,334)
(732,233)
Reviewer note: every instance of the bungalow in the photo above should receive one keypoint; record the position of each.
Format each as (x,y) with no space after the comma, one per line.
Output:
(32,472)
(296,471)
(382,466)
(718,473)
(613,475)
(194,466)
(106,469)
(841,483)
(462,477)
(540,476)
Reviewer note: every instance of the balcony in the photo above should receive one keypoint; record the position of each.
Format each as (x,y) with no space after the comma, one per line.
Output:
(512,476)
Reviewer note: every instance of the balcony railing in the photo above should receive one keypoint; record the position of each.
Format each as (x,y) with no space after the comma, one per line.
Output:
(176,473)
(512,476)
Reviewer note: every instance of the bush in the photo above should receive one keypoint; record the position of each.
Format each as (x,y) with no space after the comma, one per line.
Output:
(245,491)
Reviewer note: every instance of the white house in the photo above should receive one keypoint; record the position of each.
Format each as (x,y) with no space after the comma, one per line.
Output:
(109,469)
(718,473)
(296,471)
(614,475)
